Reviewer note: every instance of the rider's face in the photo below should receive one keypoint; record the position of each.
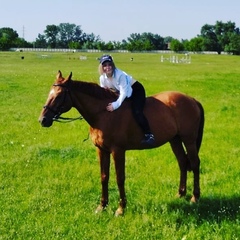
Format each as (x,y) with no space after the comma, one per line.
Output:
(108,69)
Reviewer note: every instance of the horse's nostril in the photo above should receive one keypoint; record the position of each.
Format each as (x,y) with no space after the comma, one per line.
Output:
(45,122)
(42,120)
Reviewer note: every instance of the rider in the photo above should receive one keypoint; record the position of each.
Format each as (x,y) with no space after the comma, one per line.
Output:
(117,80)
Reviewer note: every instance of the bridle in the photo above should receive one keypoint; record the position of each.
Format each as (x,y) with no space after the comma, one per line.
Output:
(58,112)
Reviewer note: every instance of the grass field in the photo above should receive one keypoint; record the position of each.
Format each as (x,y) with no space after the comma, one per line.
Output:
(50,177)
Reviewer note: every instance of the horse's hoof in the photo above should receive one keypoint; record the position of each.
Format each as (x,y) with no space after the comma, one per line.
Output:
(119,212)
(99,209)
(194,200)
(180,195)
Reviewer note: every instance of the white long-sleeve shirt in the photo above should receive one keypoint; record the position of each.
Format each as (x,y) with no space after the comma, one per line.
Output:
(121,82)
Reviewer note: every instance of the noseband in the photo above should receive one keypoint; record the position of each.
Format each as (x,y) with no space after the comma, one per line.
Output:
(58,112)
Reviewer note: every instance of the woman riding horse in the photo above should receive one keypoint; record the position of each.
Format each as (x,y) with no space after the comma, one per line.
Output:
(127,87)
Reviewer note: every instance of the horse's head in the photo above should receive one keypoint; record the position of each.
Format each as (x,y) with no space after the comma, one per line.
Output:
(58,101)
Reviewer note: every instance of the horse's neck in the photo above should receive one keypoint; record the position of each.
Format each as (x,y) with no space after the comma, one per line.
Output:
(89,106)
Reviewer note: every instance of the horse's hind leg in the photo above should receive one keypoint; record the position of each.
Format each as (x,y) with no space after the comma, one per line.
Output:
(178,150)
(192,154)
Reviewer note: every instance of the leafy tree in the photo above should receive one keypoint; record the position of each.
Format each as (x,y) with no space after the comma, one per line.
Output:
(176,45)
(195,44)
(234,45)
(8,38)
(223,31)
(153,41)
(21,43)
(133,42)
(51,35)
(158,42)
(210,39)
(9,33)
(123,45)
(41,41)
(74,45)
(218,36)
(109,46)
(69,33)
(116,45)
(100,45)
(92,40)
(145,42)
(5,44)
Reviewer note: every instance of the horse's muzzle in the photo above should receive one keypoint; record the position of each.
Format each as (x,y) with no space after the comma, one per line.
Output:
(45,122)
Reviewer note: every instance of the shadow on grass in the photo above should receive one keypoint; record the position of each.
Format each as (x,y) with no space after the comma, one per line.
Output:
(213,210)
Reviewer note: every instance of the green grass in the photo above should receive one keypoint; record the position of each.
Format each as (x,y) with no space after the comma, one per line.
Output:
(50,177)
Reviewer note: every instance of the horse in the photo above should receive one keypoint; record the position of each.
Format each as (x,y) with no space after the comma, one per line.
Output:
(174,117)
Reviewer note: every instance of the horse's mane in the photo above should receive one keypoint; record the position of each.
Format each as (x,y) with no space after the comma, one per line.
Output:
(93,89)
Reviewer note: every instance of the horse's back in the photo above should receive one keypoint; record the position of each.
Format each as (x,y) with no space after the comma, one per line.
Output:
(178,112)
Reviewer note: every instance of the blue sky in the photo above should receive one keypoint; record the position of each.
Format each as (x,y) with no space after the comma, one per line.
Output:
(115,20)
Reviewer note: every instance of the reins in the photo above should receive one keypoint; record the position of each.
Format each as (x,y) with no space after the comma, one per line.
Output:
(66,120)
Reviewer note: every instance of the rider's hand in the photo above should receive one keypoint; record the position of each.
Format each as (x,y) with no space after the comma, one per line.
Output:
(109,107)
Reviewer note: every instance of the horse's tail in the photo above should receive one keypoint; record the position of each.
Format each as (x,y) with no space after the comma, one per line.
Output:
(201,126)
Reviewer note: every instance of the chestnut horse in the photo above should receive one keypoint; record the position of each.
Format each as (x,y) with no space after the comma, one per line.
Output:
(173,117)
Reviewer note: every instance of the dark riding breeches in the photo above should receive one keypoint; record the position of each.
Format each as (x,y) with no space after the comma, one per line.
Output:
(138,101)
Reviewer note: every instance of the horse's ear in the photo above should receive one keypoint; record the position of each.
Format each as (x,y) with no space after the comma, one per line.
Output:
(59,75)
(70,76)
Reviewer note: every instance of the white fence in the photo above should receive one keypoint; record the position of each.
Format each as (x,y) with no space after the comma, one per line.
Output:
(95,50)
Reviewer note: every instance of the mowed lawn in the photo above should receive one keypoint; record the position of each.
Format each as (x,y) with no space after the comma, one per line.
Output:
(50,177)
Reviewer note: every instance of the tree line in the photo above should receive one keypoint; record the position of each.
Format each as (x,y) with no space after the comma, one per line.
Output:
(218,38)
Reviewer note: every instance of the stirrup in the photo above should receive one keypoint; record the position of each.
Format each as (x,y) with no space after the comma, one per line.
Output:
(148,139)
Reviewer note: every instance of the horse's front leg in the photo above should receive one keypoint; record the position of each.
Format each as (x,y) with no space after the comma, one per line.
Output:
(119,160)
(104,158)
